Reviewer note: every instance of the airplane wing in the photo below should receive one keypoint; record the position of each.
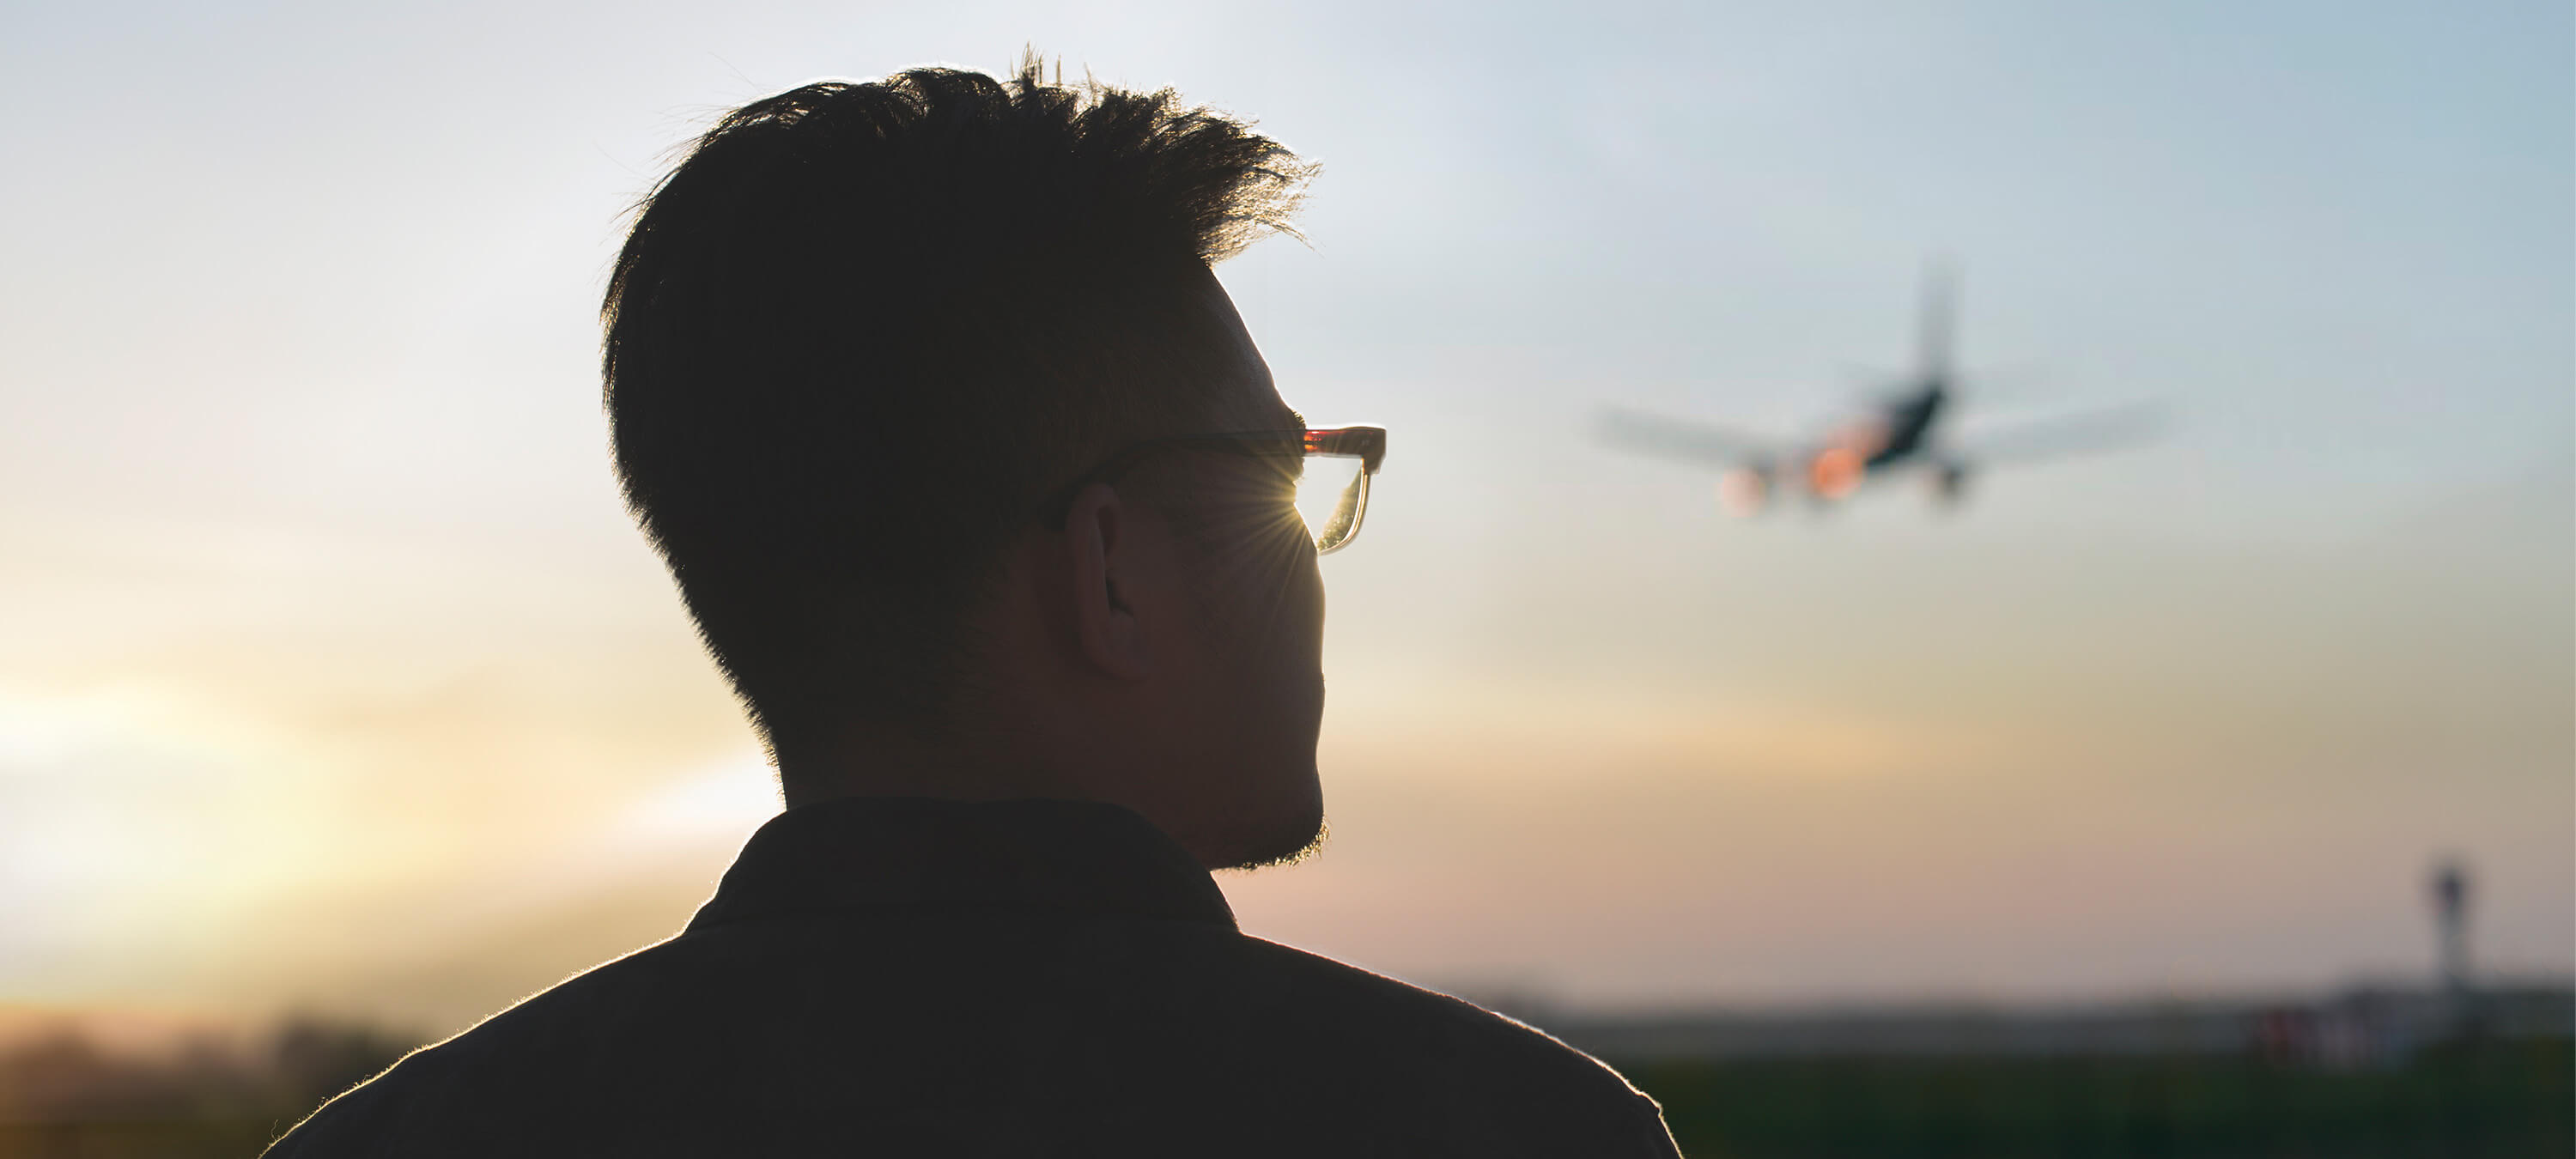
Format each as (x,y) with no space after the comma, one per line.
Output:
(2085,432)
(1683,439)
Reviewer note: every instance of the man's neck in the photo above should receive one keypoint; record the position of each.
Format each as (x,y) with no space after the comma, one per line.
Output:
(905,766)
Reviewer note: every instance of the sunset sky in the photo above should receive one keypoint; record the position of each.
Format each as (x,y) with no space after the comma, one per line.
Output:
(332,674)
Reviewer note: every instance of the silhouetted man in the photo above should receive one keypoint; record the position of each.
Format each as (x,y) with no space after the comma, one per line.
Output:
(982,497)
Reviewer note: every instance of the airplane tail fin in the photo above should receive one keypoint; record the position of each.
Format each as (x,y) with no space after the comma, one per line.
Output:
(1937,338)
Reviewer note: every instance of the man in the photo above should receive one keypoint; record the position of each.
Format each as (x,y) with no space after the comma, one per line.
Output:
(981,495)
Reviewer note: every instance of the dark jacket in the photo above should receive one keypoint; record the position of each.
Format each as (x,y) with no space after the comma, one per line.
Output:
(1028,978)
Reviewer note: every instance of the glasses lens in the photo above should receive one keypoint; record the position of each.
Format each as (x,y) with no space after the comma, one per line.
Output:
(1332,494)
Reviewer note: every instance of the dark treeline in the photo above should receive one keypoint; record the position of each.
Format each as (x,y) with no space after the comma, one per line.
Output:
(62,1094)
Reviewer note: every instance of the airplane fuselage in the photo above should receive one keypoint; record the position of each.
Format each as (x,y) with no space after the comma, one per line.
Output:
(1904,429)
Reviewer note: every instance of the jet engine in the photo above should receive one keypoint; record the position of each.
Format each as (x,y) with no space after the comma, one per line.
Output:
(1950,483)
(1743,491)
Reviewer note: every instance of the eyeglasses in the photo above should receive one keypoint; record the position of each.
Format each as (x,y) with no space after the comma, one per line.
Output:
(1329,467)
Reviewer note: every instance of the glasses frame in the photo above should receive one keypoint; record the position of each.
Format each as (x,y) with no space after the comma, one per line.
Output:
(1365,443)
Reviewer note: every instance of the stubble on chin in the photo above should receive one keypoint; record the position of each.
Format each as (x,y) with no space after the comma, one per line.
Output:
(1311,847)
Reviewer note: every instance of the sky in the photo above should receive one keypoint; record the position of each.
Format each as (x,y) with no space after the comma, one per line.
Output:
(333,676)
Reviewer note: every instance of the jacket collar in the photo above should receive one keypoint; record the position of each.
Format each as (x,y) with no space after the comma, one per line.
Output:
(873,851)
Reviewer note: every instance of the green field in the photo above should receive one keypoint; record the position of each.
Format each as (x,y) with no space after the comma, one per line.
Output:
(2509,1099)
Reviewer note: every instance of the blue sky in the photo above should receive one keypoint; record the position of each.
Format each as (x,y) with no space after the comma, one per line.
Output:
(322,605)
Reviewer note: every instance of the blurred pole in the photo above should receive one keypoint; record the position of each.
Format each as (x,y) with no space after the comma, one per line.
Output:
(2451,923)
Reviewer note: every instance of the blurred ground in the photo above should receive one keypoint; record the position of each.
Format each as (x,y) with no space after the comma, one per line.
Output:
(66,1094)
(2502,1099)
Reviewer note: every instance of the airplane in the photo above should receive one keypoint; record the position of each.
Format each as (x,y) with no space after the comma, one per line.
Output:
(1904,432)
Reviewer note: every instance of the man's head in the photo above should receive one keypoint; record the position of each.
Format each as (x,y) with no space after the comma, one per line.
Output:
(867,346)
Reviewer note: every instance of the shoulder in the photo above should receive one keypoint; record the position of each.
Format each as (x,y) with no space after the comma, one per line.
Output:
(397,1113)
(1476,1074)
(412,1108)
(365,1120)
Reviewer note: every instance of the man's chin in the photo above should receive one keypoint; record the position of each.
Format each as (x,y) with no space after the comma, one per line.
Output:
(1259,821)
(1286,851)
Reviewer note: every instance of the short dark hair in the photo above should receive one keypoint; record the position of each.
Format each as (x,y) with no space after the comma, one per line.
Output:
(862,328)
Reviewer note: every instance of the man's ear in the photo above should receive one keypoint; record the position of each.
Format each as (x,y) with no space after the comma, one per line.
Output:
(1105,555)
